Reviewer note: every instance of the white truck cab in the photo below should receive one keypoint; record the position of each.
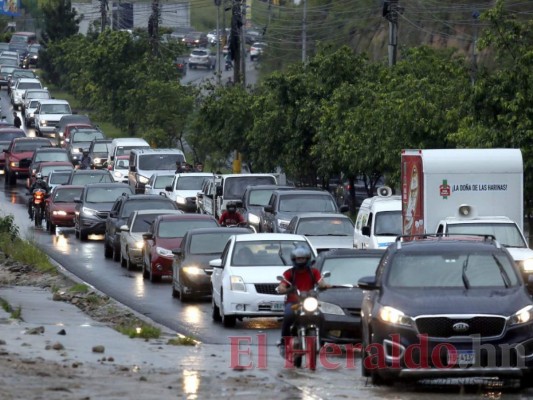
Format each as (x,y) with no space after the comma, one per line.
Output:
(379,221)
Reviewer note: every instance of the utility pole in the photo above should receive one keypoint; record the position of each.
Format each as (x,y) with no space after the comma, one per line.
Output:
(153,27)
(475,16)
(243,43)
(103,12)
(304,32)
(235,40)
(219,71)
(391,10)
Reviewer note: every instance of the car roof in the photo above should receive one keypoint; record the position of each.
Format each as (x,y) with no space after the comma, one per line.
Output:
(91,171)
(109,184)
(317,192)
(55,163)
(221,229)
(321,215)
(202,174)
(29,80)
(31,139)
(446,243)
(51,150)
(270,236)
(52,101)
(348,253)
(147,197)
(263,187)
(60,187)
(186,217)
(149,212)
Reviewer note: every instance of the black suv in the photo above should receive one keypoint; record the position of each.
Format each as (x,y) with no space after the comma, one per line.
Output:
(446,307)
(120,212)
(285,204)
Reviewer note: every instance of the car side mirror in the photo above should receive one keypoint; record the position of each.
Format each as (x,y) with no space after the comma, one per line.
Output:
(77,200)
(177,252)
(365,230)
(268,209)
(344,208)
(216,263)
(367,283)
(148,236)
(124,228)
(113,214)
(219,190)
(168,188)
(5,150)
(326,274)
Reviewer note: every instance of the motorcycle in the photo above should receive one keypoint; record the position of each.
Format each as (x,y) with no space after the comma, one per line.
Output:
(37,204)
(305,331)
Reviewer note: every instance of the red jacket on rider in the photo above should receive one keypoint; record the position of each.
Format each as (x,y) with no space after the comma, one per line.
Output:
(231,218)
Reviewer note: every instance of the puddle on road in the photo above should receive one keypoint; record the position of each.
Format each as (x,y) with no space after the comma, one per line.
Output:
(191,384)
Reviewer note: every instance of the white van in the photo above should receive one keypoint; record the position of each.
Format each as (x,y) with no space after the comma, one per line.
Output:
(123,146)
(379,221)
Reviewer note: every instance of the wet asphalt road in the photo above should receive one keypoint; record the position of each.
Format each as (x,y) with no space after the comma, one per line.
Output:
(155,301)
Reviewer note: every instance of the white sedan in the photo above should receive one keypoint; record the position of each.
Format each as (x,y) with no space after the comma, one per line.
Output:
(244,279)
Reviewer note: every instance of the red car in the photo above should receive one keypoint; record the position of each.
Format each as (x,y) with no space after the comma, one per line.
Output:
(18,156)
(165,234)
(59,207)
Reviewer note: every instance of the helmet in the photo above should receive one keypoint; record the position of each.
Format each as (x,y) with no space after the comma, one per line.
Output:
(231,207)
(301,252)
(38,175)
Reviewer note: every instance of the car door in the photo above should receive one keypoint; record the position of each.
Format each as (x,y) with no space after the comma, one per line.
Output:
(124,236)
(111,222)
(218,273)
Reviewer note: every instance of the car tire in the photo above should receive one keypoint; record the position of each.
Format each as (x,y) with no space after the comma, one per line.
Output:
(154,278)
(108,250)
(84,236)
(122,260)
(175,293)
(51,228)
(215,311)
(116,254)
(129,265)
(228,321)
(146,275)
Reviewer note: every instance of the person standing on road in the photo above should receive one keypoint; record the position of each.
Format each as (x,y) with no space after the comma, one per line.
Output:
(16,120)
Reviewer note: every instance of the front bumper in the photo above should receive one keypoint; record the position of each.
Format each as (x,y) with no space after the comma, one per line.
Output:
(66,221)
(48,130)
(92,225)
(196,284)
(135,256)
(252,304)
(340,329)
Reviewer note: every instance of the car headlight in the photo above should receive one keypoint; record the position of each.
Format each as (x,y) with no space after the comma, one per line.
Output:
(310,304)
(163,252)
(283,224)
(181,200)
(88,211)
(97,160)
(237,284)
(253,219)
(60,213)
(43,122)
(32,115)
(527,265)
(329,308)
(117,174)
(75,150)
(192,270)
(14,163)
(394,316)
(142,179)
(522,316)
(139,244)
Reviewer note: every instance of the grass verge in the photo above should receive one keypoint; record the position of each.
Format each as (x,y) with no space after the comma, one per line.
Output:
(183,341)
(141,330)
(26,252)
(15,313)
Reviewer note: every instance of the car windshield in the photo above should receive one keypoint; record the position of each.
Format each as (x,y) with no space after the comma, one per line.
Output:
(55,109)
(22,147)
(59,179)
(325,227)
(122,164)
(178,228)
(451,269)
(267,253)
(142,222)
(507,234)
(208,243)
(157,162)
(190,182)
(101,147)
(49,168)
(260,197)
(84,179)
(28,85)
(126,150)
(23,74)
(86,136)
(199,53)
(134,205)
(388,223)
(6,70)
(11,135)
(103,194)
(234,187)
(66,195)
(307,203)
(34,104)
(51,156)
(38,95)
(163,181)
(348,270)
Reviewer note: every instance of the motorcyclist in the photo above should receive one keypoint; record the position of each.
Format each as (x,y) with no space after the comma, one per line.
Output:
(231,216)
(301,276)
(39,183)
(85,162)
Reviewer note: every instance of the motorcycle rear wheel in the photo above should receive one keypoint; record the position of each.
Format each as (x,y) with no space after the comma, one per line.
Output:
(311,354)
(38,217)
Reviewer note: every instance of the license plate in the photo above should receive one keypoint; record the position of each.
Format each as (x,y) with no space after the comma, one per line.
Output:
(278,306)
(461,357)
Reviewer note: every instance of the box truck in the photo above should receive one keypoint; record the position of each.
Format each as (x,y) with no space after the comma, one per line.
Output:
(466,191)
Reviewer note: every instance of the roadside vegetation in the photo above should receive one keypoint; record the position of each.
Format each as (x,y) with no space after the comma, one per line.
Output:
(15,313)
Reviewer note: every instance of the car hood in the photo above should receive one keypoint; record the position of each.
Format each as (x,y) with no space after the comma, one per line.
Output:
(344,297)
(415,302)
(382,242)
(256,210)
(185,193)
(520,253)
(102,155)
(259,274)
(199,260)
(20,156)
(288,215)
(331,242)
(99,206)
(136,236)
(52,117)
(169,243)
(68,207)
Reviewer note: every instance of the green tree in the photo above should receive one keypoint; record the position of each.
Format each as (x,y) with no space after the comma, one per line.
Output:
(60,19)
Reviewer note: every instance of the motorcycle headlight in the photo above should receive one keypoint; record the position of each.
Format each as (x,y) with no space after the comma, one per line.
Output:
(237,284)
(192,270)
(88,211)
(522,316)
(164,252)
(181,200)
(394,316)
(253,219)
(139,244)
(329,308)
(60,213)
(310,304)
(283,224)
(142,179)
(527,265)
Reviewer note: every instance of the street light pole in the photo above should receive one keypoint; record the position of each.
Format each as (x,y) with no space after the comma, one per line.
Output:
(219,73)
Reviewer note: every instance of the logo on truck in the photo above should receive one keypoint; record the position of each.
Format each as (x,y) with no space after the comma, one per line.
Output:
(445,190)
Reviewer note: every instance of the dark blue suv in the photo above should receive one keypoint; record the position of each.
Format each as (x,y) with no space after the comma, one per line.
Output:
(446,307)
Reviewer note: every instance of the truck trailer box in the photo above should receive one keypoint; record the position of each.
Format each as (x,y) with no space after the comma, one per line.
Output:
(442,183)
